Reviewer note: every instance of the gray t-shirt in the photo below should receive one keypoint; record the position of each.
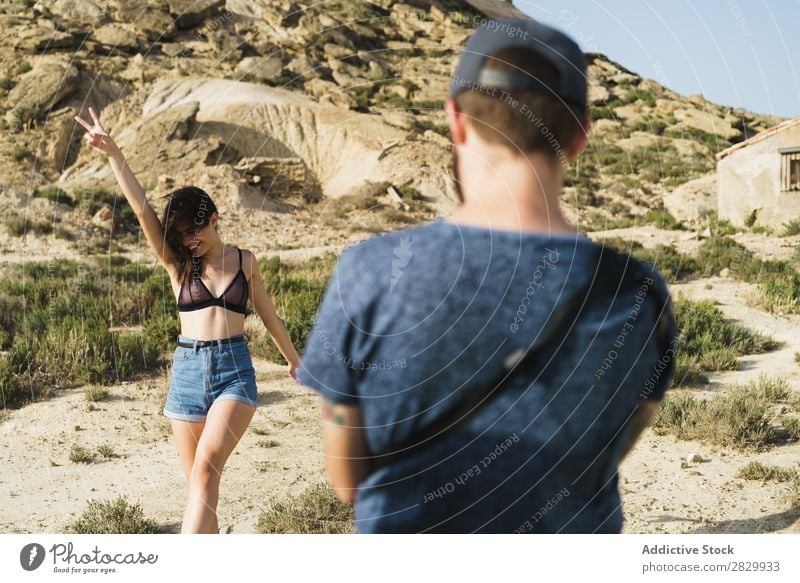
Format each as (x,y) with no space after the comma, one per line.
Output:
(415,319)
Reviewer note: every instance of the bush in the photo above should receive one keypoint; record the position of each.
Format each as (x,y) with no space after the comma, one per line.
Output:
(79,455)
(663,220)
(759,471)
(739,418)
(63,337)
(791,228)
(743,416)
(317,510)
(297,291)
(113,517)
(95,394)
(779,281)
(704,330)
(54,194)
(106,450)
(18,226)
(12,393)
(673,265)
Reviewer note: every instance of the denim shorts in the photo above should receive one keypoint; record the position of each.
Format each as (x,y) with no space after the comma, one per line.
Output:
(203,375)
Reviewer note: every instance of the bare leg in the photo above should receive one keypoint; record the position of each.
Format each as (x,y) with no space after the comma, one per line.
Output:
(225,424)
(187,434)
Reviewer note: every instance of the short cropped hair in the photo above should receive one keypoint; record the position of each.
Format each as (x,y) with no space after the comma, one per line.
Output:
(523,121)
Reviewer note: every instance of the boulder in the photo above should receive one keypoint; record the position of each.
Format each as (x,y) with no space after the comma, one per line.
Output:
(79,13)
(61,131)
(107,220)
(328,92)
(153,23)
(190,13)
(48,82)
(112,36)
(692,201)
(39,39)
(261,68)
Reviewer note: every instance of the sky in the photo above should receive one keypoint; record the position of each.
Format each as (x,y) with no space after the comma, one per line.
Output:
(741,53)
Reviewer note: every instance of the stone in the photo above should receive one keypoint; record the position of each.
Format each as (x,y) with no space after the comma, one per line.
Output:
(39,39)
(61,131)
(154,24)
(692,201)
(262,68)
(47,83)
(117,36)
(107,220)
(175,49)
(190,13)
(303,67)
(328,92)
(79,13)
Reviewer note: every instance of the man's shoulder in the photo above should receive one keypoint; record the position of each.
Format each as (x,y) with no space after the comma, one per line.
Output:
(371,252)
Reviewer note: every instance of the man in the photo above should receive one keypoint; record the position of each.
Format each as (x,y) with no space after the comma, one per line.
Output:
(433,420)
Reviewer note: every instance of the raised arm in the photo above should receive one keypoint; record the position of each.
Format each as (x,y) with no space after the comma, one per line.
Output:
(101,141)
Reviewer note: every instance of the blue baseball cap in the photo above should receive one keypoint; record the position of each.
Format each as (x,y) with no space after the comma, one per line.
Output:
(552,45)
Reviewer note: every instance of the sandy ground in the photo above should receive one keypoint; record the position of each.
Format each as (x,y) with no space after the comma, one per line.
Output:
(44,491)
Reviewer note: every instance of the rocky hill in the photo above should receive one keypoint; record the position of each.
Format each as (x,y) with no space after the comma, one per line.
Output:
(297,115)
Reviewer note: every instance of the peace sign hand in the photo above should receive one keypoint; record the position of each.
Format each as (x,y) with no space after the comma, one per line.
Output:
(98,138)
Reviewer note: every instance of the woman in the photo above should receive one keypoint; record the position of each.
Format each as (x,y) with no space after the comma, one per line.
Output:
(212,393)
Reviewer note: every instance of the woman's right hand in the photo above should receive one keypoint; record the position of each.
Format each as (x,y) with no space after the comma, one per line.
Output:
(97,137)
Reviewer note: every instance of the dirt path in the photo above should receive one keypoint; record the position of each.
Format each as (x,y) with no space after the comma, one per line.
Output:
(47,491)
(660,496)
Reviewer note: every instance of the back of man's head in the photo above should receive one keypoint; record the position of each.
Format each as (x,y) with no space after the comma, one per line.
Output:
(522,85)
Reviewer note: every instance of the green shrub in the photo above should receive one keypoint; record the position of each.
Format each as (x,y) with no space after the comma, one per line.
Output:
(791,228)
(297,291)
(95,394)
(79,455)
(673,265)
(113,517)
(63,337)
(741,417)
(12,392)
(766,473)
(317,510)
(709,342)
(662,220)
(779,281)
(20,153)
(106,450)
(55,194)
(18,226)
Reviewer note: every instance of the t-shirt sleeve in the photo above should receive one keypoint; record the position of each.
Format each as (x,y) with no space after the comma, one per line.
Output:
(664,341)
(327,362)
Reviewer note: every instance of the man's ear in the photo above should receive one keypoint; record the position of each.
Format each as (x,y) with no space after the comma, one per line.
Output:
(456,120)
(214,219)
(580,140)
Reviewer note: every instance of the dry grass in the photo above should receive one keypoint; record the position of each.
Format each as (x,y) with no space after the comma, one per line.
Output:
(314,511)
(113,517)
(743,416)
